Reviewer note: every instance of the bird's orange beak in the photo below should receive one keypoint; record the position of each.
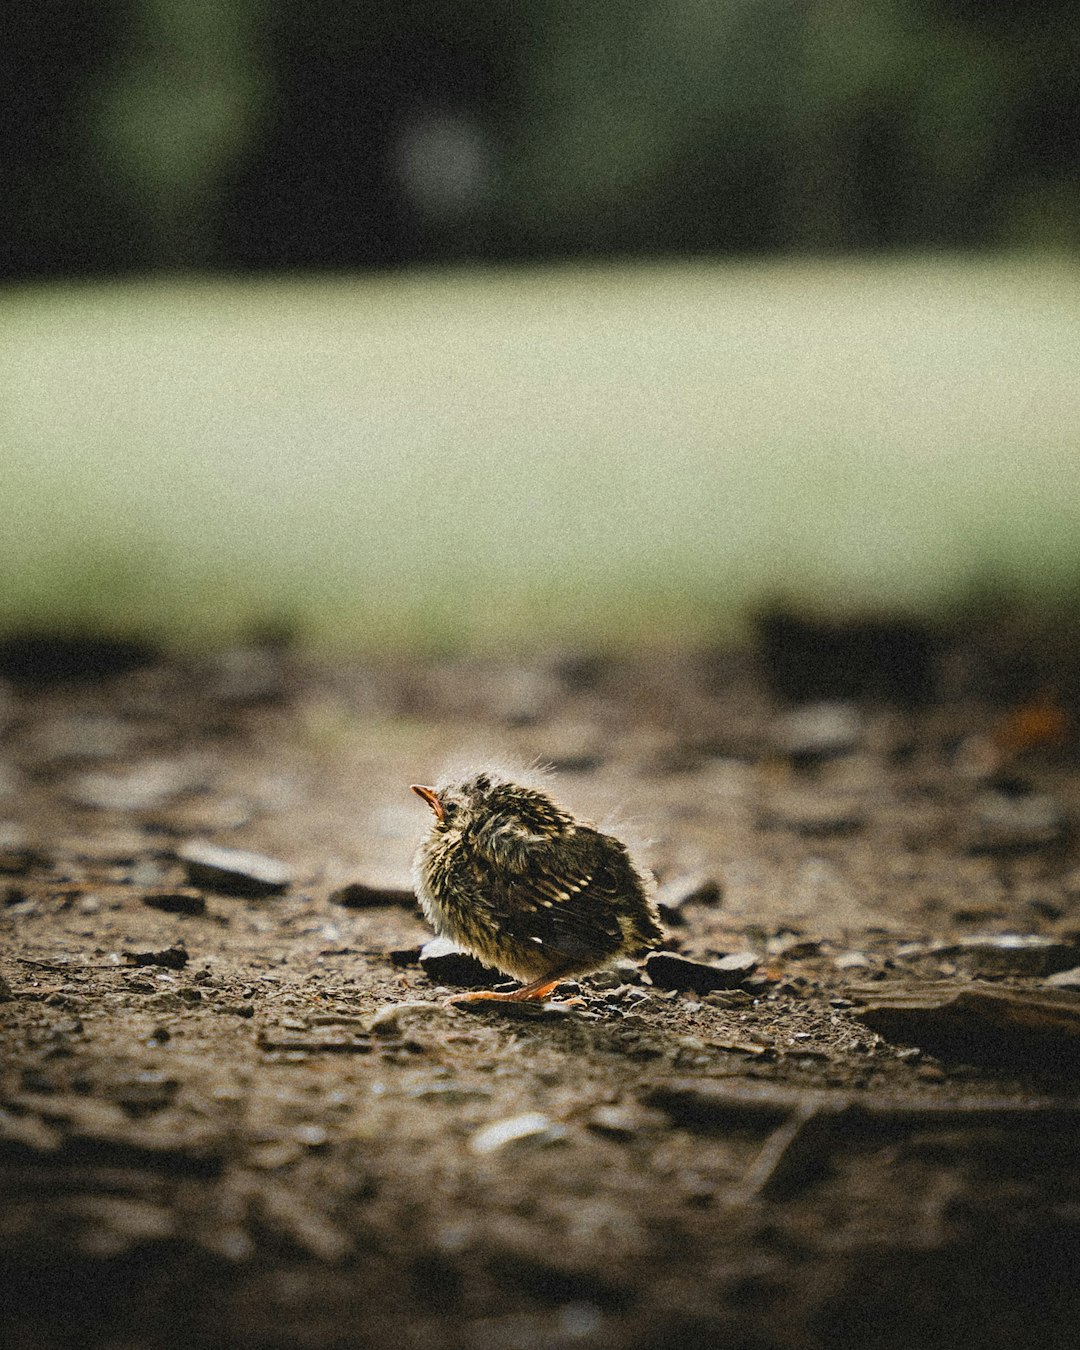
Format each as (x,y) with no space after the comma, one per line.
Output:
(429,795)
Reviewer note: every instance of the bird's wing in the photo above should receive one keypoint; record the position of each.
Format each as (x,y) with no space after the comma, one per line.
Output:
(564,895)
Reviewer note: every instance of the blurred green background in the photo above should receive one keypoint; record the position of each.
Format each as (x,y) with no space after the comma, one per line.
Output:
(428,323)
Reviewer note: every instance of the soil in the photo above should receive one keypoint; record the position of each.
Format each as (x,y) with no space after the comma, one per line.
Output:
(255,1120)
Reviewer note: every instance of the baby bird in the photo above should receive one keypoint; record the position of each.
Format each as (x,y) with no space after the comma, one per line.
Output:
(510,876)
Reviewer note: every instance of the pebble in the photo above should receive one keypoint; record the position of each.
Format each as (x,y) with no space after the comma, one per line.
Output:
(274,1154)
(1014,823)
(16,855)
(1064,979)
(729,998)
(147,872)
(172,958)
(816,731)
(452,1094)
(668,971)
(393,1019)
(1013,954)
(444,963)
(204,815)
(812,813)
(137,789)
(176,900)
(532,1127)
(368,894)
(622,1121)
(107,846)
(687,890)
(86,736)
(233,871)
(793,947)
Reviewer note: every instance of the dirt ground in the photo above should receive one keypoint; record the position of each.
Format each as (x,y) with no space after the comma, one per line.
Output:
(253,1120)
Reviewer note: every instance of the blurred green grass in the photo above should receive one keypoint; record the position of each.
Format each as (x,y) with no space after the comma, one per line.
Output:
(598,455)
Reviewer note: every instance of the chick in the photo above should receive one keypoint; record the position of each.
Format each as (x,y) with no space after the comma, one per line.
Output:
(512,877)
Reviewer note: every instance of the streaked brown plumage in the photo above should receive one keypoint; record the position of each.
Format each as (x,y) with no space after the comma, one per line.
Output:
(512,877)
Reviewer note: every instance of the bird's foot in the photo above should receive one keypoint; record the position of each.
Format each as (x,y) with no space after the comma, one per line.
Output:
(536,992)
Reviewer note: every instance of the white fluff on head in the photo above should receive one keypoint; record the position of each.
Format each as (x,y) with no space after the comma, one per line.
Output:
(500,770)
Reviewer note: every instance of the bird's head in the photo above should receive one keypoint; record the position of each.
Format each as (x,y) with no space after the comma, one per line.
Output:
(486,800)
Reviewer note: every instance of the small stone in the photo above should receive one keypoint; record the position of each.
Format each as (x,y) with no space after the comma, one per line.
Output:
(668,971)
(1004,823)
(27,1133)
(87,736)
(1013,954)
(370,894)
(394,1019)
(793,946)
(1064,979)
(311,1135)
(688,890)
(815,731)
(107,846)
(444,963)
(605,980)
(449,1093)
(233,871)
(16,855)
(172,958)
(203,815)
(622,1121)
(176,900)
(274,1154)
(532,1127)
(147,872)
(813,814)
(729,998)
(137,789)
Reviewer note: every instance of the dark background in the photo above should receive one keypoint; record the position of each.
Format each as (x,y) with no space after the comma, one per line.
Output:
(233,135)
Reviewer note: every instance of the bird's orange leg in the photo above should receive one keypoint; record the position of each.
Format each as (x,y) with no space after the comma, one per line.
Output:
(536,990)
